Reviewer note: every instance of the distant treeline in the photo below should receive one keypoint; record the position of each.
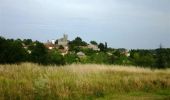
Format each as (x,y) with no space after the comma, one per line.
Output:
(17,51)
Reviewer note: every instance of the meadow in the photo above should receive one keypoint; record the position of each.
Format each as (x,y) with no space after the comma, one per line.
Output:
(28,81)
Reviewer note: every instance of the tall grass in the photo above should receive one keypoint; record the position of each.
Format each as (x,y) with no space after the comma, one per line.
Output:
(29,81)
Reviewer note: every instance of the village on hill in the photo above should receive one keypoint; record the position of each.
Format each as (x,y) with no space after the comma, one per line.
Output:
(64,51)
(62,45)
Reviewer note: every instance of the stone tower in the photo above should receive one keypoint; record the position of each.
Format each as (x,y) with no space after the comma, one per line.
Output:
(65,37)
(63,41)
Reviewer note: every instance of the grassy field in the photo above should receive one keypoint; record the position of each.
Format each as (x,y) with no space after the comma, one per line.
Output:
(83,82)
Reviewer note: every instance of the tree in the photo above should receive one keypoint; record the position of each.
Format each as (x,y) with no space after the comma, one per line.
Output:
(160,58)
(11,51)
(142,58)
(54,57)
(3,44)
(27,41)
(105,46)
(39,53)
(56,42)
(100,58)
(76,43)
(3,49)
(61,47)
(88,51)
(71,58)
(78,39)
(93,42)
(101,47)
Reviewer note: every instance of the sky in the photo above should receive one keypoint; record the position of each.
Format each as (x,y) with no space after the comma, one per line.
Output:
(131,24)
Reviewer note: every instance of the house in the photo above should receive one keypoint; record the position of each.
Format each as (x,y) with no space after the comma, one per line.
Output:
(93,47)
(81,54)
(57,43)
(50,45)
(124,52)
(63,52)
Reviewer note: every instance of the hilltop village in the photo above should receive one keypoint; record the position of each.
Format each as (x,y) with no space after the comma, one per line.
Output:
(63,45)
(64,51)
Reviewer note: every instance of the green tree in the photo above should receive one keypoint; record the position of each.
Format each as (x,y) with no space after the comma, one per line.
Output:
(27,41)
(100,58)
(160,58)
(88,51)
(142,58)
(39,53)
(101,47)
(71,58)
(11,51)
(54,57)
(93,42)
(76,43)
(105,46)
(61,47)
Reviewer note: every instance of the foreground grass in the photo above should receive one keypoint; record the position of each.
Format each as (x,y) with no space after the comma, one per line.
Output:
(76,82)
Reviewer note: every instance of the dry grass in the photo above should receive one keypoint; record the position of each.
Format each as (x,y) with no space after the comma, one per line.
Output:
(31,81)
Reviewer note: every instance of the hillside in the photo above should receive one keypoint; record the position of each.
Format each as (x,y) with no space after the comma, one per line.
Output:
(29,81)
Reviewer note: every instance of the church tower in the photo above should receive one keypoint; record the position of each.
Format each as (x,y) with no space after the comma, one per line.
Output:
(65,37)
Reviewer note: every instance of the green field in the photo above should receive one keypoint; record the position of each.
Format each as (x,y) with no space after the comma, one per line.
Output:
(83,82)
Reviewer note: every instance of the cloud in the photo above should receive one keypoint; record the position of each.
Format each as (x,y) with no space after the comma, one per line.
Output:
(118,22)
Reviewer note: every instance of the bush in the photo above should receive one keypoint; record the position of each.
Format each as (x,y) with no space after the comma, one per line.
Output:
(71,58)
(39,53)
(54,57)
(100,58)
(11,51)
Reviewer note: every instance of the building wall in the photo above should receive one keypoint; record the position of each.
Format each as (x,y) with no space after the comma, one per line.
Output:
(63,41)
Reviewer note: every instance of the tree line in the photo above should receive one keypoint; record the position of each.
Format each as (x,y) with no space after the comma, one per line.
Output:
(18,51)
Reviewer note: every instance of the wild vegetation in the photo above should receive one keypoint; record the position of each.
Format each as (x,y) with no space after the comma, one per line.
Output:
(65,77)
(29,81)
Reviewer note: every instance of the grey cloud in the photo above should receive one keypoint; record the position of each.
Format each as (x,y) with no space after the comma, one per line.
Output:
(118,22)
